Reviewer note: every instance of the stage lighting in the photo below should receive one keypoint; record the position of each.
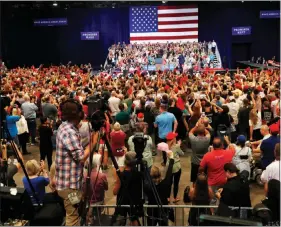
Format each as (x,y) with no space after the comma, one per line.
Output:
(164,2)
(55,4)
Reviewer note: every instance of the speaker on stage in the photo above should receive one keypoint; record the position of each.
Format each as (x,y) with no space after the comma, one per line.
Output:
(15,203)
(214,220)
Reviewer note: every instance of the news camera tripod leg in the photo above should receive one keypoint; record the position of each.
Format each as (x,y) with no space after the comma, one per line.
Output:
(87,203)
(16,152)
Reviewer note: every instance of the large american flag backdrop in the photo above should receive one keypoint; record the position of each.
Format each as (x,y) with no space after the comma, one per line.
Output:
(152,24)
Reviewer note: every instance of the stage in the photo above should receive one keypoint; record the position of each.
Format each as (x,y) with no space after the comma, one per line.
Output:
(246,64)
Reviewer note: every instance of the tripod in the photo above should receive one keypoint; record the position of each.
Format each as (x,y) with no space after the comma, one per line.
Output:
(141,168)
(5,133)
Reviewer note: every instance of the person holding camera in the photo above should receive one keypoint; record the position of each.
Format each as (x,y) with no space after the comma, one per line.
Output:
(70,158)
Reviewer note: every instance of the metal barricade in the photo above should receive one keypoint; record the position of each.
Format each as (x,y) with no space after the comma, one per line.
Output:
(181,212)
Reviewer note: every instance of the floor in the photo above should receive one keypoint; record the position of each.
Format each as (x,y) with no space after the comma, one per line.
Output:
(257,193)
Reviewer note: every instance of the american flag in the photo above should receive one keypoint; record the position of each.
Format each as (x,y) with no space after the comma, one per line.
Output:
(152,24)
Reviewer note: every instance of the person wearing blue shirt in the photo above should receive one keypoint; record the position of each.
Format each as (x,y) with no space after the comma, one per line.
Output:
(38,182)
(165,122)
(267,147)
(11,125)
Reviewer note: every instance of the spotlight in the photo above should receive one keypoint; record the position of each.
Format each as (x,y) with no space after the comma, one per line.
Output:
(164,2)
(55,4)
(113,5)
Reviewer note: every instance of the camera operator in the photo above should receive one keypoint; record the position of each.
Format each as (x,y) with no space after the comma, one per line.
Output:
(147,154)
(131,191)
(70,157)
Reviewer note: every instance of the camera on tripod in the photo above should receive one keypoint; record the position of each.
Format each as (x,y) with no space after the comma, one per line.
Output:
(97,108)
(139,141)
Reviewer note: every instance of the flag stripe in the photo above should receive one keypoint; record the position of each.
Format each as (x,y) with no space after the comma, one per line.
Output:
(156,34)
(169,19)
(165,11)
(177,14)
(165,37)
(178,29)
(161,41)
(178,26)
(178,7)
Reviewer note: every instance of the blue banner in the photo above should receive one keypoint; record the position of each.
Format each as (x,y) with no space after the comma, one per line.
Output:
(50,22)
(270,14)
(242,30)
(90,35)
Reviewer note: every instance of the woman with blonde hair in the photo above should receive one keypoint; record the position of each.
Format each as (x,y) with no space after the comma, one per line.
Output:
(255,120)
(34,171)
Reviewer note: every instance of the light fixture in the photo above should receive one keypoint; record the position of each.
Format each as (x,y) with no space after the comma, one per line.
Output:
(164,2)
(55,4)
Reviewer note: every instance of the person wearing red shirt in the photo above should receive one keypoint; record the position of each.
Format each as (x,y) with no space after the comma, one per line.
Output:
(214,162)
(117,142)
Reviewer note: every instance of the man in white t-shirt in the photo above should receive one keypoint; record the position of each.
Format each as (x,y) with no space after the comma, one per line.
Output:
(272,171)
(233,109)
(113,103)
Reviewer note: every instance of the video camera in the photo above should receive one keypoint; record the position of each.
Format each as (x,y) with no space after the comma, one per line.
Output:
(139,141)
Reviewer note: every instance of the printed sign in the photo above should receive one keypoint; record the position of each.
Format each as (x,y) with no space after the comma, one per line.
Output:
(241,30)
(270,14)
(90,35)
(50,22)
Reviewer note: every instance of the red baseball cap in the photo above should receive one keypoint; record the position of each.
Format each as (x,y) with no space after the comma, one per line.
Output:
(171,135)
(274,128)
(140,115)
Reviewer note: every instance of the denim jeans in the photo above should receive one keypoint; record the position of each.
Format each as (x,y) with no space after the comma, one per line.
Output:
(31,124)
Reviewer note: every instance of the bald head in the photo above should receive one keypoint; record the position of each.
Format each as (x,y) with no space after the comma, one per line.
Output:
(264,130)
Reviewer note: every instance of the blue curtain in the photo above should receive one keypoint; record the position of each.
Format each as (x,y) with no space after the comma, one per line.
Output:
(112,24)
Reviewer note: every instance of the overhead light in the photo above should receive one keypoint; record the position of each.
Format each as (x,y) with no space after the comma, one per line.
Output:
(164,2)
(113,5)
(55,4)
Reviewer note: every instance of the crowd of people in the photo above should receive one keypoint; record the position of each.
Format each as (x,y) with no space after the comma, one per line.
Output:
(226,119)
(196,55)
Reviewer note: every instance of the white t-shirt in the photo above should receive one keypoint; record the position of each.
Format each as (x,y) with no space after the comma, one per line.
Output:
(233,111)
(113,103)
(273,106)
(214,44)
(272,171)
(258,124)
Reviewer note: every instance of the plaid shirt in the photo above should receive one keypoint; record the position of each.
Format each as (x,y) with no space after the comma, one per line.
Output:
(69,152)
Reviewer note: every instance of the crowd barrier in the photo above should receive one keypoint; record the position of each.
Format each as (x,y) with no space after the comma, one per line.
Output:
(180,211)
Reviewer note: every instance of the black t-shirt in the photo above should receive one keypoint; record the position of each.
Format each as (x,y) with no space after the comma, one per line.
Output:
(266,116)
(45,134)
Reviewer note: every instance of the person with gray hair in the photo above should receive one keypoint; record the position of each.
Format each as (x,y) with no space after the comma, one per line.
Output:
(29,112)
